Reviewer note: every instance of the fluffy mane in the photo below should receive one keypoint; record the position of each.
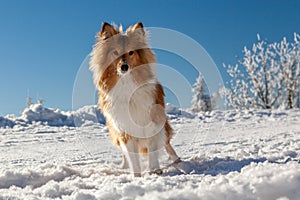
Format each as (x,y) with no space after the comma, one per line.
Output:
(106,41)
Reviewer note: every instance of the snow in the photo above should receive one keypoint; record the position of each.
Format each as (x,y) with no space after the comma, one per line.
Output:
(87,114)
(231,154)
(52,117)
(90,114)
(37,113)
(6,122)
(174,112)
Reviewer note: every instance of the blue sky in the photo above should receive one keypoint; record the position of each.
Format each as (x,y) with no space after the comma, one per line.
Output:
(42,43)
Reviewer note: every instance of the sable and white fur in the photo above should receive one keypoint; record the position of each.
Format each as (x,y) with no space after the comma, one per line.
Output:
(130,97)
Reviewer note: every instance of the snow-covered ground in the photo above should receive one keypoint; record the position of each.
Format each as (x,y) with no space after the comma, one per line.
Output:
(227,155)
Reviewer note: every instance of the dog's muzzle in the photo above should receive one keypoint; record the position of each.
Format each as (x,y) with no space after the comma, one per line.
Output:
(124,67)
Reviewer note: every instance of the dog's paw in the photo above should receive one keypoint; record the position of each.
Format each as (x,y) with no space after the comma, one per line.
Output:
(137,175)
(156,171)
(177,161)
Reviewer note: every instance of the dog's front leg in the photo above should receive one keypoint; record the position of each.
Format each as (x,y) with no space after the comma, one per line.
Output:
(124,164)
(153,158)
(130,150)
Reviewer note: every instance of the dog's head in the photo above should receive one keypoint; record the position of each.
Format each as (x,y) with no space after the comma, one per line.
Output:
(117,53)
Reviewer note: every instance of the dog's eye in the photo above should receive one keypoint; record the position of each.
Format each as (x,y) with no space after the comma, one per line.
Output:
(130,53)
(116,53)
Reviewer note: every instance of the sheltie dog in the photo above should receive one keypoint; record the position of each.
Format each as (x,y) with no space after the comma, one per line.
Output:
(130,96)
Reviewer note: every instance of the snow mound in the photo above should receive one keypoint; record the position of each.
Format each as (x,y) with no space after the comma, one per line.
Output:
(37,113)
(6,122)
(255,181)
(49,116)
(91,115)
(175,112)
(88,115)
(35,178)
(244,115)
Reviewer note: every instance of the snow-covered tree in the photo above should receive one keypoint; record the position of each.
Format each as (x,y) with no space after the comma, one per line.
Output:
(289,56)
(202,101)
(213,99)
(267,76)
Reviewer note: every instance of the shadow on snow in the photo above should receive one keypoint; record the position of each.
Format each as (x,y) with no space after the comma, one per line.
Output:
(210,167)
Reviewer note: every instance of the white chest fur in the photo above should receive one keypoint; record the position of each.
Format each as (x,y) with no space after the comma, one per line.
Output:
(129,107)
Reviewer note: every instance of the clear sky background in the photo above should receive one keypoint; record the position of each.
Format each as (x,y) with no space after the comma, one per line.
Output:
(42,43)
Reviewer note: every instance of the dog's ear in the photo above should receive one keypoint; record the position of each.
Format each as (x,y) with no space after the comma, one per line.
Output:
(107,31)
(139,27)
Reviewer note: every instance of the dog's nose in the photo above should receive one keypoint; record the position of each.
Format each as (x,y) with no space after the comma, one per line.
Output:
(124,67)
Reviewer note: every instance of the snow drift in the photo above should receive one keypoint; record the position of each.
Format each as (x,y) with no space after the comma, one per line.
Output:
(234,154)
(6,122)
(51,117)
(83,116)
